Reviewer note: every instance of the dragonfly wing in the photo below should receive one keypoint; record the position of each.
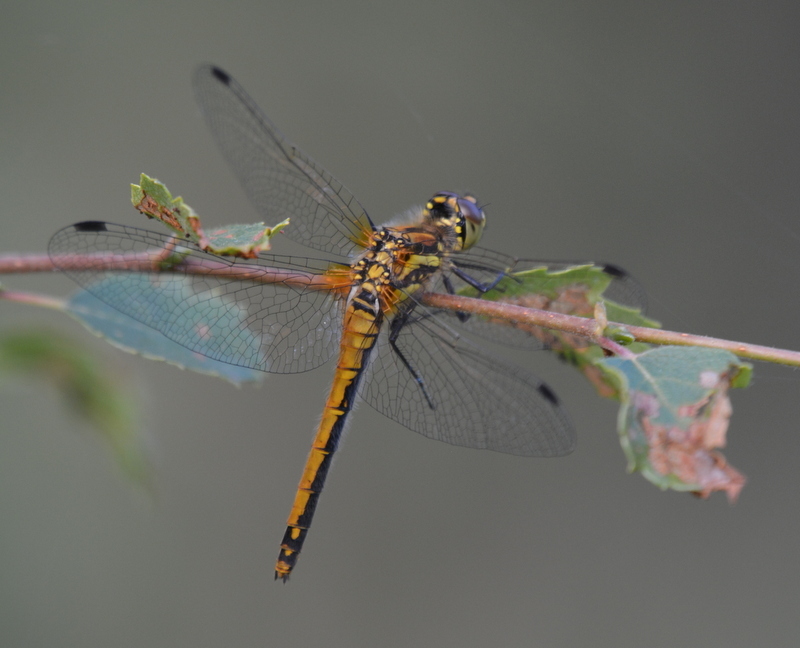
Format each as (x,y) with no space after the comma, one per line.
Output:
(486,266)
(623,287)
(280,180)
(441,385)
(225,309)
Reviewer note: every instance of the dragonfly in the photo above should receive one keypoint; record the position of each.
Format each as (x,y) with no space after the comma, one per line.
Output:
(424,368)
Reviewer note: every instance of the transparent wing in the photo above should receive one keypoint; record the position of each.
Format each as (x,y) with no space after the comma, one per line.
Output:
(258,314)
(280,180)
(486,266)
(444,387)
(623,288)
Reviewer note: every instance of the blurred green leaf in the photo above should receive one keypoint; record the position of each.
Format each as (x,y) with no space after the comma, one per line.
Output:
(89,390)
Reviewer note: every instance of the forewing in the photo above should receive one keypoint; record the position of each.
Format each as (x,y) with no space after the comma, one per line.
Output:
(487,266)
(250,321)
(623,288)
(452,391)
(280,180)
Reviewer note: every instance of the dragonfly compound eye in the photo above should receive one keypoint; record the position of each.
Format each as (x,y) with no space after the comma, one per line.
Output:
(473,221)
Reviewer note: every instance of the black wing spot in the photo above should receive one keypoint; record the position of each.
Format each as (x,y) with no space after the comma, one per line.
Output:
(90,226)
(221,75)
(614,270)
(549,394)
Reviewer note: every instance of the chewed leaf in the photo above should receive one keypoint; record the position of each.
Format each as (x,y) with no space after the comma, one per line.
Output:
(674,416)
(154,200)
(132,336)
(571,291)
(92,392)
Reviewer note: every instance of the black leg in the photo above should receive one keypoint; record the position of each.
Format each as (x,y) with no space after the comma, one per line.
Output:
(477,285)
(448,285)
(397,325)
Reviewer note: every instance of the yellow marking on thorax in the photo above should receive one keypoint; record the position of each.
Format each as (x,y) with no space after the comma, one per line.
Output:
(376,272)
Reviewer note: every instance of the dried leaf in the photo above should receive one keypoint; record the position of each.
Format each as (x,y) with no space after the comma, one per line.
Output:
(154,200)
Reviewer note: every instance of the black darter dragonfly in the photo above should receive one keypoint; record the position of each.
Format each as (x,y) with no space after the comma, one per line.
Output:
(413,364)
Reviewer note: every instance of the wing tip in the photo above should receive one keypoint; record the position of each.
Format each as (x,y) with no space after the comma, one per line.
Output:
(90,226)
(549,394)
(220,75)
(615,271)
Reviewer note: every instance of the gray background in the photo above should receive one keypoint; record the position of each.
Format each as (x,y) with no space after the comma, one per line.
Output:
(662,136)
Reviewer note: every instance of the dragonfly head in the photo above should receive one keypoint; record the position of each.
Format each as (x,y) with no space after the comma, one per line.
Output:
(461,213)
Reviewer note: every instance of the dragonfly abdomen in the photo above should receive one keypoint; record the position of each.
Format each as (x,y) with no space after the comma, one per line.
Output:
(362,323)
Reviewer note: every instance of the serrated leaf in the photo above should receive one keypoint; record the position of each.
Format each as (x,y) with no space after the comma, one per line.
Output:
(91,391)
(166,292)
(154,200)
(674,415)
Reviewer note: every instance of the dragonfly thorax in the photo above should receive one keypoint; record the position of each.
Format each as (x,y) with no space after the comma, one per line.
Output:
(460,213)
(400,260)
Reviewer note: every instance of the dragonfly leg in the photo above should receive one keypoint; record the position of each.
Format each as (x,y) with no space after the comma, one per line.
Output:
(448,285)
(394,332)
(477,285)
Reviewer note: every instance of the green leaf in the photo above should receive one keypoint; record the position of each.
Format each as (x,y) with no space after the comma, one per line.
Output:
(163,297)
(571,291)
(552,283)
(674,415)
(154,200)
(627,315)
(242,240)
(88,389)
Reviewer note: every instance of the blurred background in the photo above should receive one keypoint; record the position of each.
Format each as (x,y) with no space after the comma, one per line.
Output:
(661,137)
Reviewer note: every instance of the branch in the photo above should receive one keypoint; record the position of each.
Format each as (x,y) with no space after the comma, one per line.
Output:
(22,263)
(581,326)
(586,327)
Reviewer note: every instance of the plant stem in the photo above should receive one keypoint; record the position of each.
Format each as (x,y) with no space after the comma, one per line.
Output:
(586,328)
(582,326)
(20,263)
(32,299)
